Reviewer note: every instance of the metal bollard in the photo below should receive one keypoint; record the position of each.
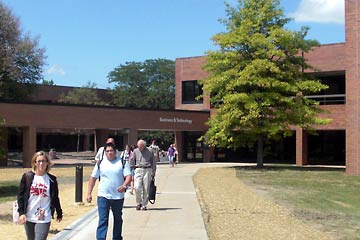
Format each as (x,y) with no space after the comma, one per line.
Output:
(78,183)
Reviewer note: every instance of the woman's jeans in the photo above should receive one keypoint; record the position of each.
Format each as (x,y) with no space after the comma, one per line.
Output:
(104,206)
(36,231)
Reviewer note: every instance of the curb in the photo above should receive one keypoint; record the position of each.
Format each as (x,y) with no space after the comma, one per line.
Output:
(76,226)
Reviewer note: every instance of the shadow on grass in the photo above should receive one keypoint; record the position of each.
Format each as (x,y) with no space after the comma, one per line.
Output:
(8,190)
(6,217)
(284,167)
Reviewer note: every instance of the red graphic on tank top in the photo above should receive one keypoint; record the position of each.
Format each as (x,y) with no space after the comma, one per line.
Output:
(39,190)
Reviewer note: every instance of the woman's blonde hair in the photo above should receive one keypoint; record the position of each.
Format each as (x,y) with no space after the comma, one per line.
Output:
(41,153)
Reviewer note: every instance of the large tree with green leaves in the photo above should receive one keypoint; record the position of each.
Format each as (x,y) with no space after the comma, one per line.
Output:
(148,84)
(256,78)
(21,60)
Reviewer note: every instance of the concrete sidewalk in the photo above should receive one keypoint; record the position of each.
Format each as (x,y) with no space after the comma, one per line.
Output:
(175,215)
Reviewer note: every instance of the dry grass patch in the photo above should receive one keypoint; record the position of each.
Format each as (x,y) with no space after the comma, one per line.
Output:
(232,211)
(71,211)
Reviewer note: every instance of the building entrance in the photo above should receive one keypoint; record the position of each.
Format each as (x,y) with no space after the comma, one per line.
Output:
(193,147)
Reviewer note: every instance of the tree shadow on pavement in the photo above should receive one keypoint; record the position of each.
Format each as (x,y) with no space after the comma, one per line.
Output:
(155,208)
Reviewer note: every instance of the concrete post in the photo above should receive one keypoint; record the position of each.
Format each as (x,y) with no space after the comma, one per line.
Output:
(3,146)
(29,145)
(100,138)
(87,142)
(301,147)
(179,135)
(133,136)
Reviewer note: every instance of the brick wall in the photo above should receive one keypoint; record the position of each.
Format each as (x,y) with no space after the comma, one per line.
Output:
(189,69)
(352,51)
(326,58)
(70,117)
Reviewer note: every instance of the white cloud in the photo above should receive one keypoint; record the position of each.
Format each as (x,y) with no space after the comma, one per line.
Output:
(320,11)
(56,70)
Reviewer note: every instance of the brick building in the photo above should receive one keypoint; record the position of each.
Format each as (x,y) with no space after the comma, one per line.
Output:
(337,143)
(43,123)
(337,65)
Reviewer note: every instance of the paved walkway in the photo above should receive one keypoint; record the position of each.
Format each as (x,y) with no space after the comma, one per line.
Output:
(175,215)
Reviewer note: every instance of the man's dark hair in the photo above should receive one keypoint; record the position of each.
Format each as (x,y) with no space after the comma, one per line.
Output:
(110,145)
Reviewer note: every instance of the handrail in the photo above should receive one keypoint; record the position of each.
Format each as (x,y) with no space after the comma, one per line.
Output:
(329,99)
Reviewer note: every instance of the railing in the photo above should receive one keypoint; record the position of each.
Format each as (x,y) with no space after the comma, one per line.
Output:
(331,99)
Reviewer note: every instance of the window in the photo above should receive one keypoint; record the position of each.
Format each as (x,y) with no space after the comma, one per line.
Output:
(335,94)
(190,91)
(193,147)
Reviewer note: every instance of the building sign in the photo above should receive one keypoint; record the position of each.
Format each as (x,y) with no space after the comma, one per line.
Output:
(176,120)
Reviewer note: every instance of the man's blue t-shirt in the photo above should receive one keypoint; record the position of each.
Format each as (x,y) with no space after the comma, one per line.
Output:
(112,176)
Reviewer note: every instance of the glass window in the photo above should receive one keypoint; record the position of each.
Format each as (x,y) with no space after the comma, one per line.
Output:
(193,147)
(335,94)
(190,91)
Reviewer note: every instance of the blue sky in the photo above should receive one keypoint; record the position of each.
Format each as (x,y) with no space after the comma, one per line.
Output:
(86,39)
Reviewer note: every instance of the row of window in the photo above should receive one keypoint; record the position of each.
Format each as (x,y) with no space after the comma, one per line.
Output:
(335,94)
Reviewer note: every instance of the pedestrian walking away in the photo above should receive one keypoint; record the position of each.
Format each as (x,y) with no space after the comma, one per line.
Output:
(144,163)
(38,198)
(114,176)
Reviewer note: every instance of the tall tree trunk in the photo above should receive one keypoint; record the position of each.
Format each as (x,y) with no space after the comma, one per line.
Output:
(260,152)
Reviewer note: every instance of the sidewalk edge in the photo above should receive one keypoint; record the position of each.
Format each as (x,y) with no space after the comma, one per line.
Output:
(76,226)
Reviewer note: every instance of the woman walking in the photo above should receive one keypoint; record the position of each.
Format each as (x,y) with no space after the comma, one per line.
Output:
(38,198)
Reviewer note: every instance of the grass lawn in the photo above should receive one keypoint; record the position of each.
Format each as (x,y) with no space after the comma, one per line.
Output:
(9,182)
(324,196)
(7,190)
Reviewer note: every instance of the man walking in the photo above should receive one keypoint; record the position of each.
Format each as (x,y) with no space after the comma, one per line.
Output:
(115,176)
(144,163)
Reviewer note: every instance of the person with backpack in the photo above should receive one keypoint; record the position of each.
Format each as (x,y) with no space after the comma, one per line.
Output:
(144,163)
(114,176)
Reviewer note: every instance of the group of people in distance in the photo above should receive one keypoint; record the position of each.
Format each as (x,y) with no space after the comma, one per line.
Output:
(38,195)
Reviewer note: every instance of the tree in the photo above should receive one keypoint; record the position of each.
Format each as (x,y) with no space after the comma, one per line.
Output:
(21,60)
(85,95)
(256,79)
(48,82)
(163,138)
(148,84)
